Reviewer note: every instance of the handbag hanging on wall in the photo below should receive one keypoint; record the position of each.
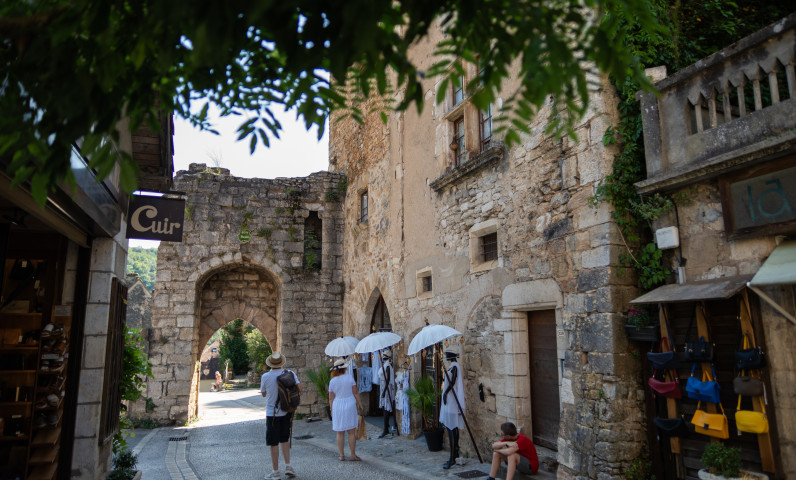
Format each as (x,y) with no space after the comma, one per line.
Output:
(701,350)
(711,424)
(671,427)
(663,360)
(748,386)
(705,390)
(749,358)
(750,421)
(664,388)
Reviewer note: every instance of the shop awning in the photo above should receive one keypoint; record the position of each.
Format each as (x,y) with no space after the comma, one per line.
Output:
(713,289)
(779,268)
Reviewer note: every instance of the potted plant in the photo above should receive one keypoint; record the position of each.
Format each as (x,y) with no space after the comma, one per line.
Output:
(320,378)
(124,467)
(640,469)
(640,326)
(724,463)
(423,396)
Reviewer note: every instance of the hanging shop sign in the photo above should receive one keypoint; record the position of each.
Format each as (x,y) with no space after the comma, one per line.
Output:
(761,201)
(156,218)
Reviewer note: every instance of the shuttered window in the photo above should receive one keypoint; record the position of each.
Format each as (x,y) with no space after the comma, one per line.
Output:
(111,393)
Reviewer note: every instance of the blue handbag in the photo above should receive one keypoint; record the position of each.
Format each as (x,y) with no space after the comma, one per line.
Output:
(706,390)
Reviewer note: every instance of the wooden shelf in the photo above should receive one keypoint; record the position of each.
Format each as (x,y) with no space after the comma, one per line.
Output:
(43,456)
(13,439)
(46,438)
(43,472)
(15,404)
(20,347)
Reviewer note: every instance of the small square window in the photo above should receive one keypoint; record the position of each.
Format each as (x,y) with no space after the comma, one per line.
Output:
(363,207)
(489,247)
(427,284)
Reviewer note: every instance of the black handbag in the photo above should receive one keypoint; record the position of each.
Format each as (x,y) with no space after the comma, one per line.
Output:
(700,351)
(749,358)
(664,360)
(672,427)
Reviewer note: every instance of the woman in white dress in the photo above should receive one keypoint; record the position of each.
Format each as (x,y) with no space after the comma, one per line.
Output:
(344,403)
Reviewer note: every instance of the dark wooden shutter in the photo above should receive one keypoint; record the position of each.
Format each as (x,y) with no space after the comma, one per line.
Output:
(545,405)
(114,355)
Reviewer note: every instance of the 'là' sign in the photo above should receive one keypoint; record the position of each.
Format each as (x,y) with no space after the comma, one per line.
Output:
(765,199)
(156,218)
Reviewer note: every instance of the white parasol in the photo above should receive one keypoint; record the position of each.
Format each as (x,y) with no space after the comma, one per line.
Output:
(341,347)
(377,341)
(431,335)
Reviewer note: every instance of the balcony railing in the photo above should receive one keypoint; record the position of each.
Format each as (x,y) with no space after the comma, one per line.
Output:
(728,111)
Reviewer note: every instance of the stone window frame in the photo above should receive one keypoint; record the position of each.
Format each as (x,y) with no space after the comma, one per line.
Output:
(478,153)
(422,275)
(476,233)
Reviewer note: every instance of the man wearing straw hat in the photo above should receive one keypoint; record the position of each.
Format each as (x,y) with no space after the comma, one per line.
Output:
(277,424)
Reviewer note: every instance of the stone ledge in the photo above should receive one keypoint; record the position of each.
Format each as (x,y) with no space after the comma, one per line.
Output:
(489,156)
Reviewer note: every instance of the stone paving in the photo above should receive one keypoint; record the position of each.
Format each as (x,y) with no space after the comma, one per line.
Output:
(227,442)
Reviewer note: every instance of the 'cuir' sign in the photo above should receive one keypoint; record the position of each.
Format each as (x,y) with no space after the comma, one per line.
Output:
(156,218)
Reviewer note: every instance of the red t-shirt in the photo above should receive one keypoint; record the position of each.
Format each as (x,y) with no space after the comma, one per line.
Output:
(526,449)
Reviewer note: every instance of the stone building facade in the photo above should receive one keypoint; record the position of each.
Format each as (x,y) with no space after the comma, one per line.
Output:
(246,253)
(518,260)
(721,135)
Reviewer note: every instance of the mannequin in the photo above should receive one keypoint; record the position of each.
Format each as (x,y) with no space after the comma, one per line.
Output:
(449,413)
(387,401)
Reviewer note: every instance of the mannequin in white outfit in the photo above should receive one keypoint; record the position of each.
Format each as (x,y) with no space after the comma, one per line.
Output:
(449,413)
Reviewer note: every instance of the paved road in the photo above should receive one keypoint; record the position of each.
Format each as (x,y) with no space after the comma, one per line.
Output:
(228,443)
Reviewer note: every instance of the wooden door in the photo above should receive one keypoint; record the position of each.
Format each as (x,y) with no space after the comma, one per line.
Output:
(543,370)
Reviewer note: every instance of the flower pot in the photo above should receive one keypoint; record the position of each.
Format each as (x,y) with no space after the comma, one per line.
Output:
(706,475)
(642,334)
(434,439)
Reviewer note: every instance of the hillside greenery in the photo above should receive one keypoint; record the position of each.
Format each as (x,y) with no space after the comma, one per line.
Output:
(144,262)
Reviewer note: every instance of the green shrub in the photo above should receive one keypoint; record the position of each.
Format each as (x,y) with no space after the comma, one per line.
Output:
(320,378)
(722,460)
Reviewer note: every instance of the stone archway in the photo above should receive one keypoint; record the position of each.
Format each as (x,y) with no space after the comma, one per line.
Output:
(218,274)
(239,291)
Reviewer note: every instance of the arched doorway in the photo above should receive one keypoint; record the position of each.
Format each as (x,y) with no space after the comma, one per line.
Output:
(233,292)
(379,322)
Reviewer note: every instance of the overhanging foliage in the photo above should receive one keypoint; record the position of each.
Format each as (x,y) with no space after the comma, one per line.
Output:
(73,68)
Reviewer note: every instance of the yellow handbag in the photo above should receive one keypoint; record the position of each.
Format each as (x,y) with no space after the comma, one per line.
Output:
(711,424)
(750,421)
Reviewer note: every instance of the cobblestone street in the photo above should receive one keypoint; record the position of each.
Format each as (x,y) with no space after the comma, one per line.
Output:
(228,442)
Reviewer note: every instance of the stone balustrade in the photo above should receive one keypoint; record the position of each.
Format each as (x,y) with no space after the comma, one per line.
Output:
(728,111)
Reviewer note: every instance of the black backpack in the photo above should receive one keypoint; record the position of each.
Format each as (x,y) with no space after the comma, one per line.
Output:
(289,396)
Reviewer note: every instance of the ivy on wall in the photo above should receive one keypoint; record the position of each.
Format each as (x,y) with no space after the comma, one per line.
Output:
(694,29)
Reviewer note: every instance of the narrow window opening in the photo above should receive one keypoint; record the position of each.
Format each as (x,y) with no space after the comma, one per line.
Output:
(363,207)
(486,128)
(459,149)
(313,242)
(489,247)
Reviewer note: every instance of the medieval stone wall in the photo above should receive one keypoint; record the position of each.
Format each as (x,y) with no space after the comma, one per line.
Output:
(556,252)
(214,277)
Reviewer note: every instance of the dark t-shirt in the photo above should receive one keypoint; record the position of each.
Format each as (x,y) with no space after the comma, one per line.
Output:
(526,449)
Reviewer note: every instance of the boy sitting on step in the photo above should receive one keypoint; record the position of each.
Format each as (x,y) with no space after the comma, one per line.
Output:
(516,450)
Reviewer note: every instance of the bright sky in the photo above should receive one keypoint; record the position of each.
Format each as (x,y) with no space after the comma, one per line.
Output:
(297,153)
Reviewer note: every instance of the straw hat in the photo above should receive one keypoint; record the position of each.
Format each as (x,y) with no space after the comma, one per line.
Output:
(340,364)
(275,360)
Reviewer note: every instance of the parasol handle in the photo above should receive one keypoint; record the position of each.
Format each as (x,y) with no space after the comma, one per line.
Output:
(459,405)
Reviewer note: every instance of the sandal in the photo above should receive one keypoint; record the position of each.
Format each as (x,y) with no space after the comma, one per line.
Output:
(342,458)
(354,458)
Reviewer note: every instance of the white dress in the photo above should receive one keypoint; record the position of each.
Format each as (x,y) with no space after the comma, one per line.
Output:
(344,407)
(449,414)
